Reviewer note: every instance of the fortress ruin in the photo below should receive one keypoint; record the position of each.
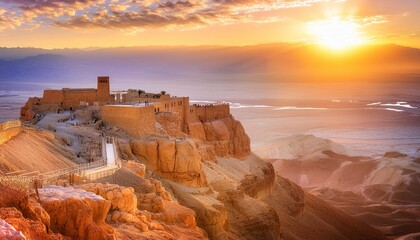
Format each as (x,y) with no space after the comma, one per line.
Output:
(68,99)
(134,111)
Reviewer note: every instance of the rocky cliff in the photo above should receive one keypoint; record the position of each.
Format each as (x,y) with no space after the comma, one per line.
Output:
(226,136)
(173,187)
(235,194)
(77,213)
(175,159)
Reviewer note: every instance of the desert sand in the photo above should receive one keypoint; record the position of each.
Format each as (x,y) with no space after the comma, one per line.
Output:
(42,148)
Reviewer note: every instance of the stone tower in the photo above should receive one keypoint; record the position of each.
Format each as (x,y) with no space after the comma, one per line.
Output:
(103,88)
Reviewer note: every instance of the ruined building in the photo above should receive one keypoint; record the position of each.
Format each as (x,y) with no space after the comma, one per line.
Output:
(68,99)
(134,111)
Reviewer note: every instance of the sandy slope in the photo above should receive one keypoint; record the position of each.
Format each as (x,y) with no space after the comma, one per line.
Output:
(304,216)
(268,204)
(384,192)
(34,150)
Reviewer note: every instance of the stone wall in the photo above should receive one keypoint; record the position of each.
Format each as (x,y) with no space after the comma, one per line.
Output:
(67,99)
(133,96)
(136,121)
(72,99)
(170,105)
(179,105)
(172,123)
(53,96)
(9,129)
(209,112)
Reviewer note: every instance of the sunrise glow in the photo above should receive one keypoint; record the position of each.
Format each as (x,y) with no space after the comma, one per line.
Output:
(335,33)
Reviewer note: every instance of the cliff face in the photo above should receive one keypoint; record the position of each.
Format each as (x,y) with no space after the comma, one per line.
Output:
(207,180)
(180,159)
(226,136)
(175,159)
(235,194)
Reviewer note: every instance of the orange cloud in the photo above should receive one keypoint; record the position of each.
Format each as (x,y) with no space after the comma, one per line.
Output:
(128,14)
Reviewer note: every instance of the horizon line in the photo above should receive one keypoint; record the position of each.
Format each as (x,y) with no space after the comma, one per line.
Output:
(92,48)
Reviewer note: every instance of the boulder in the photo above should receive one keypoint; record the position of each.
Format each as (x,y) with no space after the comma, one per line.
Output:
(30,229)
(77,213)
(122,198)
(31,209)
(135,167)
(7,231)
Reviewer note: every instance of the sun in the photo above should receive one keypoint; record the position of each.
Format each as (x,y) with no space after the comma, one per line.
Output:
(336,33)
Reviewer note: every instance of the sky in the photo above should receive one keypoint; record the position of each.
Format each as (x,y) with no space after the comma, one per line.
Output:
(113,23)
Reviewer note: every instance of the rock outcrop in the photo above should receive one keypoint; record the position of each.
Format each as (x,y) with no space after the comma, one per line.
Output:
(148,214)
(30,229)
(251,218)
(226,135)
(175,159)
(212,215)
(32,209)
(137,168)
(7,231)
(77,213)
(121,198)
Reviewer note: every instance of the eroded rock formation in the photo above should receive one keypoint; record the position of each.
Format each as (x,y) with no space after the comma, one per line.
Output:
(30,229)
(226,135)
(77,213)
(175,159)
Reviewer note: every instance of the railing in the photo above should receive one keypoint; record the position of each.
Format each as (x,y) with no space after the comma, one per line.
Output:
(53,177)
(100,174)
(74,169)
(117,156)
(19,182)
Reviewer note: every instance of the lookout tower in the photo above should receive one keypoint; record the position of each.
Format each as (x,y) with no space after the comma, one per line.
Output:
(103,87)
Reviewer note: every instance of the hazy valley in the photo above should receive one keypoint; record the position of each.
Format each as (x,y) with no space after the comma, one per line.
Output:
(288,107)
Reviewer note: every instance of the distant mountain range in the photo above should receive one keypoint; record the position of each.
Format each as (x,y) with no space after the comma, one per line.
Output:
(22,65)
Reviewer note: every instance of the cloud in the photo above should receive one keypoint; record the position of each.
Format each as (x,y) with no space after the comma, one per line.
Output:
(136,14)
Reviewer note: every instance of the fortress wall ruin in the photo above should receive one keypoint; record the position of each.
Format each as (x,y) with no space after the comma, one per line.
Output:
(192,114)
(53,96)
(9,129)
(209,112)
(178,105)
(73,99)
(136,121)
(169,105)
(170,121)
